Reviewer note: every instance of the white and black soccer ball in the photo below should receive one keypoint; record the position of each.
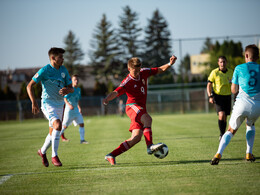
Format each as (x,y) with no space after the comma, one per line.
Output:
(162,152)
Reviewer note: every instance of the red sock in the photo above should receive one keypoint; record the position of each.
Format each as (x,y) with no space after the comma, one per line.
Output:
(148,136)
(121,149)
(62,136)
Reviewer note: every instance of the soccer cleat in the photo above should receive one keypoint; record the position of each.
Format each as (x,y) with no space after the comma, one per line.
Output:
(154,147)
(56,161)
(216,159)
(63,138)
(84,142)
(111,159)
(44,158)
(250,157)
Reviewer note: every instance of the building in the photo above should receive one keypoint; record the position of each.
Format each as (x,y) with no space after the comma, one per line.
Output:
(199,63)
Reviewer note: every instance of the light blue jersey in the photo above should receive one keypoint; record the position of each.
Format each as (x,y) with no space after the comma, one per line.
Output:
(247,76)
(52,81)
(73,98)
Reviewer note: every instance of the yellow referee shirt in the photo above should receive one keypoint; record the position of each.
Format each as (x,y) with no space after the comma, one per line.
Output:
(221,82)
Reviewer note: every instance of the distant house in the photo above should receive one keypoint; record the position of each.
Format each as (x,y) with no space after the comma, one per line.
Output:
(199,63)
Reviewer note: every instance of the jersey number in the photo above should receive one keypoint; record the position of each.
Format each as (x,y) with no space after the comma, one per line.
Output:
(253,78)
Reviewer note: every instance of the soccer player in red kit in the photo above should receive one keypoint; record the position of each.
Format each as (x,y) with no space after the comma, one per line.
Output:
(135,87)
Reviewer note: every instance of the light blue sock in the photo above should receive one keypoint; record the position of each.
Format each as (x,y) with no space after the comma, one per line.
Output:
(82,133)
(250,137)
(224,142)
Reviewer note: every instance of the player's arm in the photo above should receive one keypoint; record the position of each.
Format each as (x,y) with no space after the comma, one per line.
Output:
(67,102)
(209,92)
(66,90)
(234,88)
(110,97)
(164,67)
(30,91)
(79,107)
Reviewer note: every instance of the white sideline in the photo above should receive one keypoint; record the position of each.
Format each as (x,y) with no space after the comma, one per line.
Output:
(5,178)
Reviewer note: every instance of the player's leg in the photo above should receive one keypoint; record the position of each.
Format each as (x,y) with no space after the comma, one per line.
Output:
(82,133)
(67,118)
(235,121)
(62,134)
(57,126)
(146,120)
(124,146)
(222,123)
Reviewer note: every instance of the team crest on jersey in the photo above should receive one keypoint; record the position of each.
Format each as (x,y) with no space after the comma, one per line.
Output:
(63,75)
(143,81)
(36,75)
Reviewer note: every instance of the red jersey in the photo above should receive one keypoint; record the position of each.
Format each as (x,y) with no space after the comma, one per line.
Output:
(136,89)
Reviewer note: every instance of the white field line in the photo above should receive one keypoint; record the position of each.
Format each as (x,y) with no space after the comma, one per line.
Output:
(6,177)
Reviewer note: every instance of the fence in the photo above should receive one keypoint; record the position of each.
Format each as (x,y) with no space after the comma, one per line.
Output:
(177,98)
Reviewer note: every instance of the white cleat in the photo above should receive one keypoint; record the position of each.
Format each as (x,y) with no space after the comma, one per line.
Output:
(153,148)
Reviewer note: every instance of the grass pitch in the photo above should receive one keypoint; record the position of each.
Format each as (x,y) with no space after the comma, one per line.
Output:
(192,140)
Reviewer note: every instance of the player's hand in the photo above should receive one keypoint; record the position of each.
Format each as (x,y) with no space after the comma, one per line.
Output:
(35,108)
(71,107)
(65,91)
(211,100)
(173,59)
(105,102)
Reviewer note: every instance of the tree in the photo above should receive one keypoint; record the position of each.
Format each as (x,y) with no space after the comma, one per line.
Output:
(105,50)
(184,67)
(128,34)
(157,43)
(9,94)
(23,92)
(208,46)
(73,54)
(233,52)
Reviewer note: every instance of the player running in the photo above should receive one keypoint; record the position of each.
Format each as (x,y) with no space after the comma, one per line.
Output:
(135,87)
(245,82)
(56,83)
(72,111)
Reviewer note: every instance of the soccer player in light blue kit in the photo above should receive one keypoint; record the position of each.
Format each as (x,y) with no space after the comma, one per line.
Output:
(245,82)
(72,111)
(56,83)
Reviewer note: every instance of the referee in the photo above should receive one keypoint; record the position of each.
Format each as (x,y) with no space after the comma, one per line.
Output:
(219,92)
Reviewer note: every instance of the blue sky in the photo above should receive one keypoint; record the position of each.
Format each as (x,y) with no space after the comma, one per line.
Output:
(30,27)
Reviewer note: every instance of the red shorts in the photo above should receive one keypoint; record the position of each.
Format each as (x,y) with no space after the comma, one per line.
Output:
(134,112)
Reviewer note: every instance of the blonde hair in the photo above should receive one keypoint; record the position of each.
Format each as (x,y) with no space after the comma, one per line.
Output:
(134,62)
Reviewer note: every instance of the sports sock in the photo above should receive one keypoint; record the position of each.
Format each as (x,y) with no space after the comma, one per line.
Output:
(55,142)
(224,142)
(46,144)
(222,126)
(148,136)
(250,137)
(121,149)
(82,133)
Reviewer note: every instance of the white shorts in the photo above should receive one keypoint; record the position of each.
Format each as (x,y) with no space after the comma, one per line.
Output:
(72,116)
(52,112)
(244,109)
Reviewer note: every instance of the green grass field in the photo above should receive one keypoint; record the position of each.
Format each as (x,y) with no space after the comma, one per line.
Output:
(192,140)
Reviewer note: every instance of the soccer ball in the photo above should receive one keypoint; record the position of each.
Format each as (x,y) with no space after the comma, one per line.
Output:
(162,152)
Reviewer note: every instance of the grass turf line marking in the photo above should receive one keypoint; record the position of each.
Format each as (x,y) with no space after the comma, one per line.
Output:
(8,176)
(5,178)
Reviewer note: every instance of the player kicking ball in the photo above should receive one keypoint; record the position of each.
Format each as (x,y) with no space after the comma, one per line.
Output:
(245,82)
(135,87)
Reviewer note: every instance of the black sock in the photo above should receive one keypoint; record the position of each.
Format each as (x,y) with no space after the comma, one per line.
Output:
(222,126)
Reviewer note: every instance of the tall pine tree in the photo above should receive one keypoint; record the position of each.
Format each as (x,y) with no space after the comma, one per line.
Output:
(104,50)
(158,46)
(129,34)
(73,54)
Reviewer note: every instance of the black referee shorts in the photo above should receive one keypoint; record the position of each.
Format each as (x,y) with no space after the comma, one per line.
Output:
(223,103)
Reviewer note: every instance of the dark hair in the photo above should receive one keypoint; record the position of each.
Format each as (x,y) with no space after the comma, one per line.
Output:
(55,51)
(253,49)
(222,57)
(75,75)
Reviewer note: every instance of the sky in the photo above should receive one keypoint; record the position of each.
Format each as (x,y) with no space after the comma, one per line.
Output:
(29,28)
